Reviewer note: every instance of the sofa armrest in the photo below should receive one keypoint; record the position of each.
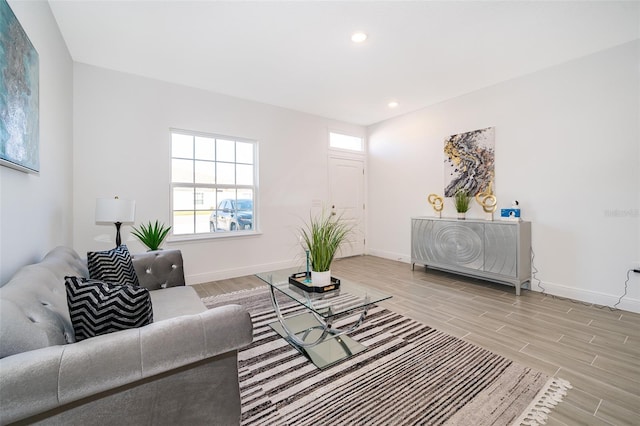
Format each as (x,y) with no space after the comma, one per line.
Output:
(43,379)
(159,269)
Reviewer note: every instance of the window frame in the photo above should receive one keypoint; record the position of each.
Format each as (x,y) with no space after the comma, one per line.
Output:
(194,185)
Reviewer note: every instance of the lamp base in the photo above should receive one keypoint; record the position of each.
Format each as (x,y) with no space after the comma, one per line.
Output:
(118,239)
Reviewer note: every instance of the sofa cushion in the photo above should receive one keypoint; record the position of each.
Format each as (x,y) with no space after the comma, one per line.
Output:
(113,265)
(176,301)
(98,307)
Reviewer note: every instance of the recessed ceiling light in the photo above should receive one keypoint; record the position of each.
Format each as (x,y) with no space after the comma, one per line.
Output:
(392,104)
(358,37)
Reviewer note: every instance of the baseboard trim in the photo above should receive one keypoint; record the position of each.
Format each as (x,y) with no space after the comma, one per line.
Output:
(627,303)
(389,255)
(238,272)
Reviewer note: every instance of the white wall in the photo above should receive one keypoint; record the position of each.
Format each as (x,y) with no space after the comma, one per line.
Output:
(35,210)
(122,147)
(567,147)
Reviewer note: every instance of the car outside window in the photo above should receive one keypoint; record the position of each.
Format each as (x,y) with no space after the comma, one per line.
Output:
(232,215)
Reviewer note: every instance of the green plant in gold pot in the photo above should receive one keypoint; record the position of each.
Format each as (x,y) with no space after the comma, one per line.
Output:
(322,237)
(462,201)
(151,235)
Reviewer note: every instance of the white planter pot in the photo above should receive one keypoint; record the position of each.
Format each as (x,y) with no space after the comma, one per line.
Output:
(320,279)
(462,216)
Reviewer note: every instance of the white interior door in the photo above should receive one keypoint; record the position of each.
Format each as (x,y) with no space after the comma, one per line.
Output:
(346,177)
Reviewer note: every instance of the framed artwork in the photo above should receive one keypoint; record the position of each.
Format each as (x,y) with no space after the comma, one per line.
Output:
(469,162)
(19,96)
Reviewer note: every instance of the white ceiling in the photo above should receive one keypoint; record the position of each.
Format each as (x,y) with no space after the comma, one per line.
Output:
(299,55)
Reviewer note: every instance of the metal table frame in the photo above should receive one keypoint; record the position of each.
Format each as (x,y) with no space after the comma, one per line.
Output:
(313,333)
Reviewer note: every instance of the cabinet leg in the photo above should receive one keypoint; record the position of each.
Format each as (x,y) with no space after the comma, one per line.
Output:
(518,289)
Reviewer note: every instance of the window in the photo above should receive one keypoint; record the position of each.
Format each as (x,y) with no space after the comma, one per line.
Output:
(213,183)
(346,142)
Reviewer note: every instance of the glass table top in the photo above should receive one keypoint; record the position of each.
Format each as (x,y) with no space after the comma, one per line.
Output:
(350,296)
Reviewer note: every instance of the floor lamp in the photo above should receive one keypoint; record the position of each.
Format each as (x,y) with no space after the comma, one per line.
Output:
(116,211)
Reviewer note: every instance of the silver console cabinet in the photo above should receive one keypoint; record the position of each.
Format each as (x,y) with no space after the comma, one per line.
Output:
(497,251)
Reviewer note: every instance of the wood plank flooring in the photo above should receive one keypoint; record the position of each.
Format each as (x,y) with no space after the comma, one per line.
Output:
(597,350)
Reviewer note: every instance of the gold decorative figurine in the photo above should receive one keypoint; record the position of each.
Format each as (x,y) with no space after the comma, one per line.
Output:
(488,201)
(437,203)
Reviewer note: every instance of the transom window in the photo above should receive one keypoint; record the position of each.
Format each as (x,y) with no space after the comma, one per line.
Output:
(213,183)
(346,142)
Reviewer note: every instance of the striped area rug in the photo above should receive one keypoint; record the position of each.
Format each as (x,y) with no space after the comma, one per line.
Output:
(410,374)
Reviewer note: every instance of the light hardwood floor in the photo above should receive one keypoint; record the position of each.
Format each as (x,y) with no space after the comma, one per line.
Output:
(597,350)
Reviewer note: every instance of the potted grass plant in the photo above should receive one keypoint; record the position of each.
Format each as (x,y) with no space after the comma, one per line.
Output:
(152,234)
(462,202)
(322,237)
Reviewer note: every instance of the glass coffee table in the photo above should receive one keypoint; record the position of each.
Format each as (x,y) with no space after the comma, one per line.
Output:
(312,329)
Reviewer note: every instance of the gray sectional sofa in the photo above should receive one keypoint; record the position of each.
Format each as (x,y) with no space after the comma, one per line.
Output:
(181,369)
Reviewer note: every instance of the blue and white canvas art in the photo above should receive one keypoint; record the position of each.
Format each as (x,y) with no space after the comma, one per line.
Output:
(19,95)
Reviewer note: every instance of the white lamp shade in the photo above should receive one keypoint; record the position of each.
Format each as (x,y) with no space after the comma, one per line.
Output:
(114,210)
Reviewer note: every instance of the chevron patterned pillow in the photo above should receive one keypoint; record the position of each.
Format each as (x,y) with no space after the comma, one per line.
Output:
(98,307)
(114,266)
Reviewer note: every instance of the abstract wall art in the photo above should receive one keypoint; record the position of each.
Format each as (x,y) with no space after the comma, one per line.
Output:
(19,96)
(469,162)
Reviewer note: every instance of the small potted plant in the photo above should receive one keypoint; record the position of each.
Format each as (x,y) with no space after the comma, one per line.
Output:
(151,235)
(462,201)
(322,237)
